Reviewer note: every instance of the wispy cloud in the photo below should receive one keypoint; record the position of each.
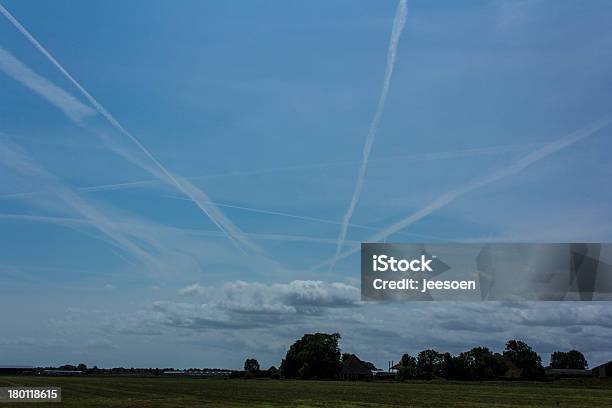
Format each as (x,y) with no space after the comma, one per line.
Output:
(71,106)
(201,199)
(456,193)
(398,25)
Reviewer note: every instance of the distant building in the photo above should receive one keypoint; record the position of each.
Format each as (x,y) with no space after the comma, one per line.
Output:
(603,370)
(384,375)
(567,372)
(62,372)
(175,373)
(16,370)
(196,373)
(273,372)
(355,369)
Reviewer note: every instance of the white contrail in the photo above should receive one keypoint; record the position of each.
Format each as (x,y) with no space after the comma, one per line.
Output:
(187,188)
(421,157)
(412,157)
(75,222)
(71,106)
(304,218)
(14,158)
(452,195)
(72,223)
(398,25)
(45,218)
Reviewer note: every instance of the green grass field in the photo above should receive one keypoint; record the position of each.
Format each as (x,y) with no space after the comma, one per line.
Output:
(185,392)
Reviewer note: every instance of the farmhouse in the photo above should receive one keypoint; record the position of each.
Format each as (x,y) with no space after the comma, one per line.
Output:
(603,370)
(355,369)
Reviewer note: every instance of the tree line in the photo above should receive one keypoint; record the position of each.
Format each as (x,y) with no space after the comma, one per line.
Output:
(318,356)
(479,363)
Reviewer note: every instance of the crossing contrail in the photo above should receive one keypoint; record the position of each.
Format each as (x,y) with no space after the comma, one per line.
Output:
(398,25)
(431,156)
(453,195)
(76,222)
(421,157)
(14,158)
(186,187)
(305,218)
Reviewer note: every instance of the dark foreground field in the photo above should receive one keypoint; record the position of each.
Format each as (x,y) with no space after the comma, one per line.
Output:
(185,392)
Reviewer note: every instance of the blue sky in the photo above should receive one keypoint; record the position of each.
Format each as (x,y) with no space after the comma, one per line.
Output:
(262,108)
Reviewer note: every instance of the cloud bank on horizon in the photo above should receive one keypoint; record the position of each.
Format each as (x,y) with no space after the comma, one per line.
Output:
(103,237)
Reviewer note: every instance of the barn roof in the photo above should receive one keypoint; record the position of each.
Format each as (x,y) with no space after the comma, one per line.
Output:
(353,365)
(609,363)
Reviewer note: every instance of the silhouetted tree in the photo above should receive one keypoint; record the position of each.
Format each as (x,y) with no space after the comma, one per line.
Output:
(499,366)
(572,359)
(313,356)
(454,367)
(408,361)
(408,367)
(523,357)
(250,364)
(429,363)
(482,364)
(68,367)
